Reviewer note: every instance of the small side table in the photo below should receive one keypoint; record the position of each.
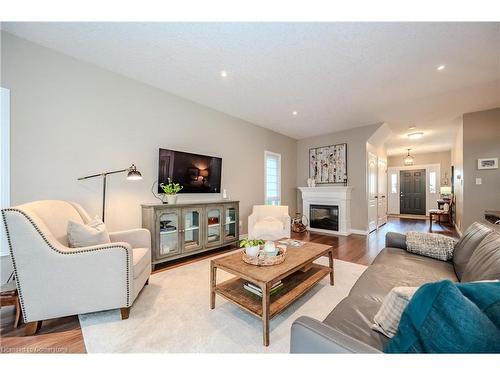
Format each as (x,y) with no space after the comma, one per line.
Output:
(9,297)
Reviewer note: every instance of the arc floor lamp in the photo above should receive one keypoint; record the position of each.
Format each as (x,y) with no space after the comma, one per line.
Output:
(132,174)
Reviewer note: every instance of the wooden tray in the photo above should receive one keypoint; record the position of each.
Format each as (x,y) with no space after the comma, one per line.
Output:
(262,259)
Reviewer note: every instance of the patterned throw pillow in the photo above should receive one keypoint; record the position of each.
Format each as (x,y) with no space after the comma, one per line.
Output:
(386,321)
(430,245)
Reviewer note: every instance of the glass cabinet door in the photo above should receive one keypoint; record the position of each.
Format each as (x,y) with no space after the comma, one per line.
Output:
(230,224)
(192,239)
(214,225)
(169,233)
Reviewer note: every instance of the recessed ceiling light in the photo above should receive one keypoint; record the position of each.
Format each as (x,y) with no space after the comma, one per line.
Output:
(416,135)
(441,67)
(295,113)
(223,73)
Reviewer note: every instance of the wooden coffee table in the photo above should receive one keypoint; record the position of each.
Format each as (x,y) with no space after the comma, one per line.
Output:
(298,274)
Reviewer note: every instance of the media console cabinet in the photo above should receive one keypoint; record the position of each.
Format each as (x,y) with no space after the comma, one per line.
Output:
(179,230)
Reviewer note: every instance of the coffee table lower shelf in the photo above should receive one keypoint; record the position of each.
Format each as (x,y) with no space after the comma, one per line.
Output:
(294,286)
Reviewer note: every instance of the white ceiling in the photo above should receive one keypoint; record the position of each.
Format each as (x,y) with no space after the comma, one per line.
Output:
(336,75)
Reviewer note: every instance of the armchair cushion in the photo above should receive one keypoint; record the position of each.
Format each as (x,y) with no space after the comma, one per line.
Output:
(141,260)
(269,223)
(91,234)
(267,227)
(55,215)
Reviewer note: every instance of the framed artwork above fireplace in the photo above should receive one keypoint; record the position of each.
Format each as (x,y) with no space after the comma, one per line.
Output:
(328,164)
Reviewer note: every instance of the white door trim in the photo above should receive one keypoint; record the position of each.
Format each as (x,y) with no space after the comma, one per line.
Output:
(4,160)
(372,191)
(430,199)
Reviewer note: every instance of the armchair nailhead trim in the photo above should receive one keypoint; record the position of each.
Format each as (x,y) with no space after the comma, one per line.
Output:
(18,281)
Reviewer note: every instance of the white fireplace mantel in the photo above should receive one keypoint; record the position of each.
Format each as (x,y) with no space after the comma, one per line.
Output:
(329,195)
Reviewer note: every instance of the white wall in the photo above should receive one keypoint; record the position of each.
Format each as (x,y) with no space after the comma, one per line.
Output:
(70,119)
(4,161)
(356,167)
(457,160)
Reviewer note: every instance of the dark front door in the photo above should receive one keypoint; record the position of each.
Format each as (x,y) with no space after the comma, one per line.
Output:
(412,192)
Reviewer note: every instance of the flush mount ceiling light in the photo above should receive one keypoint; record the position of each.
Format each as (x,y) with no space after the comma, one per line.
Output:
(416,135)
(295,113)
(408,160)
(441,67)
(223,74)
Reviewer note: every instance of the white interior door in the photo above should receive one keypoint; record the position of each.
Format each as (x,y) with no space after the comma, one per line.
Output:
(382,192)
(372,192)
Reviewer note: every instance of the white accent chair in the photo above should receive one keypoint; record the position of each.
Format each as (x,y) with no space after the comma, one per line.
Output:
(54,280)
(269,223)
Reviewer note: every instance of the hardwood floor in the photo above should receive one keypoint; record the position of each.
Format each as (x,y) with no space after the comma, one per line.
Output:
(63,335)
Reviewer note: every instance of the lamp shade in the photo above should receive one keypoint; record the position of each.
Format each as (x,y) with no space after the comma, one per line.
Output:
(445,190)
(204,173)
(133,173)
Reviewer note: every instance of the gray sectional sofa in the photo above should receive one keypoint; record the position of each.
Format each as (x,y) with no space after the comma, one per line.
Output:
(347,329)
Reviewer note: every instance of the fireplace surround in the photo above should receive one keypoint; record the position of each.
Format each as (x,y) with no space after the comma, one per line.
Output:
(335,200)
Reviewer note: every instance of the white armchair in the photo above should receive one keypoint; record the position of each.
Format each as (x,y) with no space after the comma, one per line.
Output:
(54,280)
(269,223)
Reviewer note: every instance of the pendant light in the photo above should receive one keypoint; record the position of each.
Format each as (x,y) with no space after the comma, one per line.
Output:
(408,160)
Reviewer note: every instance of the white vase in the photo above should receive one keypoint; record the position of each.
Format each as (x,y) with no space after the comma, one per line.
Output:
(171,198)
(252,251)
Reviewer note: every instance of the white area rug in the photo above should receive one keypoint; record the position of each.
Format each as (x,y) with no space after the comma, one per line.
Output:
(172,314)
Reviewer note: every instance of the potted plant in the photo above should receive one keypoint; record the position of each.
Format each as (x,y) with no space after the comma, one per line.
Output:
(170,190)
(251,247)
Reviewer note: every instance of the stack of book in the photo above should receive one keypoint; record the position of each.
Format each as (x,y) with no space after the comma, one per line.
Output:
(252,288)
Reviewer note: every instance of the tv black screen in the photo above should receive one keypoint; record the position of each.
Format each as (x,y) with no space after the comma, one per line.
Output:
(196,173)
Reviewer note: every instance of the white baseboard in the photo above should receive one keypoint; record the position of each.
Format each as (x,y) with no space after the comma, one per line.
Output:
(359,231)
(330,232)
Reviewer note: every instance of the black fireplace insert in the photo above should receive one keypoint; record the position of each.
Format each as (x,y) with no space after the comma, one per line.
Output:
(324,217)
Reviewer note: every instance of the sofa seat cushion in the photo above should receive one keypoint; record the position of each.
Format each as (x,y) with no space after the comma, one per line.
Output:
(378,280)
(432,268)
(353,316)
(141,260)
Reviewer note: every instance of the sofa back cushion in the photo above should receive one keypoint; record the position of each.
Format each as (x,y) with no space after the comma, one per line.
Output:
(263,211)
(466,245)
(55,215)
(484,264)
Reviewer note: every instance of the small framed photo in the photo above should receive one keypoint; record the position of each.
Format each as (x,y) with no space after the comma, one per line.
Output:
(487,163)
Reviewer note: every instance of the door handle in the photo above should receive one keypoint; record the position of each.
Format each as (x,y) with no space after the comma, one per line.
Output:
(375,196)
(383,196)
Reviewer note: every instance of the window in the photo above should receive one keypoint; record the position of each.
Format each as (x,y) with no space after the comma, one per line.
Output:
(272,178)
(394,183)
(432,183)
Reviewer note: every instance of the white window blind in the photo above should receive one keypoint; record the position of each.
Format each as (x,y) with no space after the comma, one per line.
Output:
(272,182)
(432,183)
(394,183)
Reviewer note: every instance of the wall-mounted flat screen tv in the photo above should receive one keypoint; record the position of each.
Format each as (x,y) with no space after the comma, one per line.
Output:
(196,173)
